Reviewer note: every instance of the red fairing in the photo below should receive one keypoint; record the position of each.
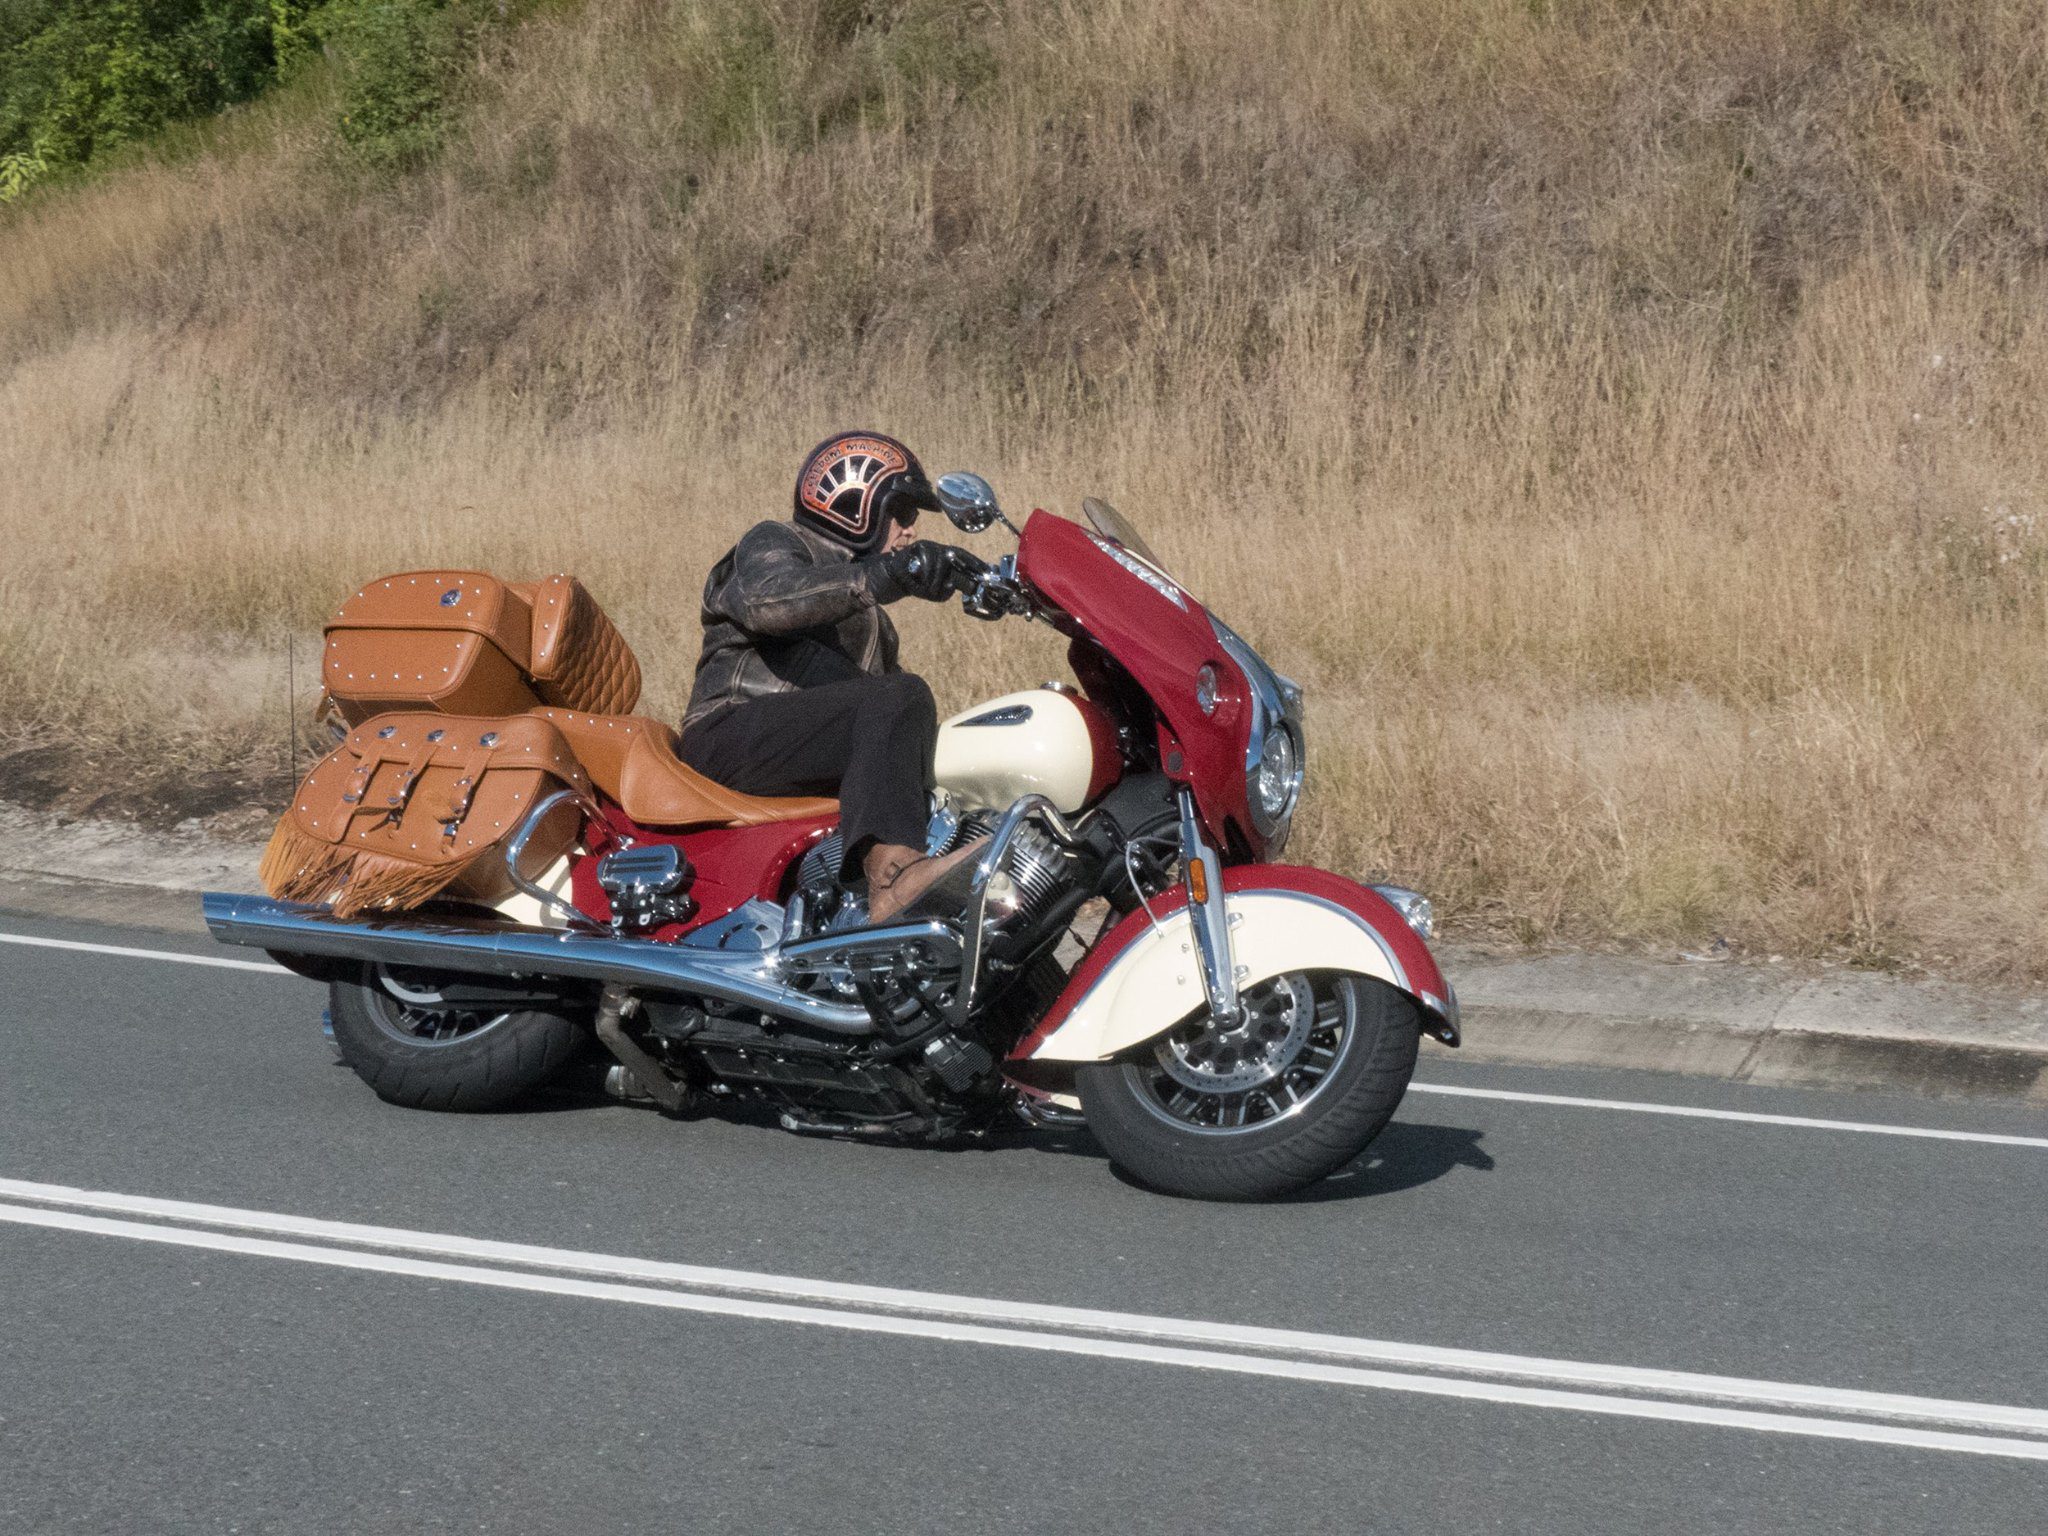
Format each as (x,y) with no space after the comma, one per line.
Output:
(1164,646)
(733,864)
(1412,959)
(1105,754)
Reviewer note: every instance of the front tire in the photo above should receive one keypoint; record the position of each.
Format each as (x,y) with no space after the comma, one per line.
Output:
(418,1054)
(1298,1088)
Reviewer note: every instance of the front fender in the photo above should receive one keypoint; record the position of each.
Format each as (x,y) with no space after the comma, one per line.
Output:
(1142,977)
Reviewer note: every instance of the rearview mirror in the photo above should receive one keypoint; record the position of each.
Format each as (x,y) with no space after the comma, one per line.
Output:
(968,500)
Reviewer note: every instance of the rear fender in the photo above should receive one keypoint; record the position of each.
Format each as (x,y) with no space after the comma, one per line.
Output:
(1143,977)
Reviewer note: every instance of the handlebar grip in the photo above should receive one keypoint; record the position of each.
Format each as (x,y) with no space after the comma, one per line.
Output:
(965,582)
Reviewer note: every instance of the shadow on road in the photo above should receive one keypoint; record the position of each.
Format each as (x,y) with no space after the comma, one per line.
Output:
(1404,1156)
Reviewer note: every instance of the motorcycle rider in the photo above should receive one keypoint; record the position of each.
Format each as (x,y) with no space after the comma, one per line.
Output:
(798,691)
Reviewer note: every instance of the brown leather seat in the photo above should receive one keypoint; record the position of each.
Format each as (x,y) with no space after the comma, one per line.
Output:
(633,760)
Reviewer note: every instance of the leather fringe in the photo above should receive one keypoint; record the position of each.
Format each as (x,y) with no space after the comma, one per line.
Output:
(297,867)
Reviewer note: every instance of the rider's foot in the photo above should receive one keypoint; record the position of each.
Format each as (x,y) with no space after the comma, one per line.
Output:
(897,876)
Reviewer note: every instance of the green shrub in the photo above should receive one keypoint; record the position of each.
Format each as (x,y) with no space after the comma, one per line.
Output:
(81,77)
(796,70)
(400,61)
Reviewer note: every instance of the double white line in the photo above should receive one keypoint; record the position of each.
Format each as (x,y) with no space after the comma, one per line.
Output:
(1330,1359)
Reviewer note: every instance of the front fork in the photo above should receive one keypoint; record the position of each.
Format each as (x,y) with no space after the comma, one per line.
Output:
(1203,870)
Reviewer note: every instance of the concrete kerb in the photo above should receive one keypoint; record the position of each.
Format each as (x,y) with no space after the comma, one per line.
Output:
(1780,1024)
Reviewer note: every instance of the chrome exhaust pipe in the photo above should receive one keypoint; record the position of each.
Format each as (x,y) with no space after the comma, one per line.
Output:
(750,978)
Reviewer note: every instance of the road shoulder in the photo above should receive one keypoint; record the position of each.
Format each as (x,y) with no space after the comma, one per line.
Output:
(1792,1024)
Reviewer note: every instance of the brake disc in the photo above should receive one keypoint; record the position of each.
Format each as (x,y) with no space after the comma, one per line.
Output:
(1272,1029)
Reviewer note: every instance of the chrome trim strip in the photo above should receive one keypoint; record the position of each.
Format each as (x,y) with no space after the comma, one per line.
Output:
(1210,918)
(745,977)
(985,868)
(1275,700)
(1009,714)
(833,950)
(515,850)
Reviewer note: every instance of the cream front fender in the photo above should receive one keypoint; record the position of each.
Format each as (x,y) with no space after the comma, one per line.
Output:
(1152,979)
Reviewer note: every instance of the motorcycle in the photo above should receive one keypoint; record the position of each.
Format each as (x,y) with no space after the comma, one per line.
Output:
(1131,956)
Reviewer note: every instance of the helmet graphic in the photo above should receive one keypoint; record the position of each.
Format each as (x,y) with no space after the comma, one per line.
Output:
(853,483)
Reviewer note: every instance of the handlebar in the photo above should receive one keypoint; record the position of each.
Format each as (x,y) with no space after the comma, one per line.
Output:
(995,592)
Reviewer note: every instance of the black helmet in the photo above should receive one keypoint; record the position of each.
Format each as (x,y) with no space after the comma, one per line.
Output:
(854,483)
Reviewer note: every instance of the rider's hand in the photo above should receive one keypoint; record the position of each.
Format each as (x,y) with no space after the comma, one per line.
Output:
(926,569)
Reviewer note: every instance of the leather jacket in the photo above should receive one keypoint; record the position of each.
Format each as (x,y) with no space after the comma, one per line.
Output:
(788,608)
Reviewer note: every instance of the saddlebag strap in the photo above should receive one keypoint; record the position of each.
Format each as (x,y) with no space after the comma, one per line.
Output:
(412,804)
(454,807)
(409,778)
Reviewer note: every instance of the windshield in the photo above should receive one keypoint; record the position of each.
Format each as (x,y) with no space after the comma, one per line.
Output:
(1115,527)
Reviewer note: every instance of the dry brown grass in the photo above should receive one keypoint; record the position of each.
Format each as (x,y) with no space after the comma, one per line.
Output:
(1628,421)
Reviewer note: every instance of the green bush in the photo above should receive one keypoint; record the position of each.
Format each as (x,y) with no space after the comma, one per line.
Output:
(400,61)
(795,70)
(81,77)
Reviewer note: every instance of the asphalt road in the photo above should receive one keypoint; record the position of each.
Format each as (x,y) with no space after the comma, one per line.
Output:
(164,1370)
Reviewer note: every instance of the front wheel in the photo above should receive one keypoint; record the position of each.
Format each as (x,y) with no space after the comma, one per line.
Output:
(1297,1087)
(405,1038)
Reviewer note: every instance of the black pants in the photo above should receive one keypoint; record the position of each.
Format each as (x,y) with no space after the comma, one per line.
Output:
(868,740)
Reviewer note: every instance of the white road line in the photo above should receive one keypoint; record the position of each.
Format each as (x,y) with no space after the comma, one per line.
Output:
(1935,1423)
(1802,1122)
(1053,1343)
(147,954)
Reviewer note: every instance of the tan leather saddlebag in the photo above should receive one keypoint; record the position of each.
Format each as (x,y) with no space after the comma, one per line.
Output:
(415,805)
(467,643)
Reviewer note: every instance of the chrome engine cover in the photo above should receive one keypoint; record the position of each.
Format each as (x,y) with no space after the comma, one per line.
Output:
(1034,871)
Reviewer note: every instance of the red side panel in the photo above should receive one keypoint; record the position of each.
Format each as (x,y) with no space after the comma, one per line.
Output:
(1106,757)
(733,864)
(1412,959)
(1164,646)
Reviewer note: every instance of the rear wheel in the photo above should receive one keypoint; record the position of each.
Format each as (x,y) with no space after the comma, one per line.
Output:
(400,1035)
(1298,1086)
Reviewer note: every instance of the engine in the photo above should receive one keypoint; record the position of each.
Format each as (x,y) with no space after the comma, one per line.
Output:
(1036,870)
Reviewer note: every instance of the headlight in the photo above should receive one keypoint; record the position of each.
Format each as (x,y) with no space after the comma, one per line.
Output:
(1413,906)
(1275,782)
(1273,758)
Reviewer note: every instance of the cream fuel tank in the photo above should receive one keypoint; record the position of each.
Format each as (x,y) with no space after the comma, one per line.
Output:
(1046,741)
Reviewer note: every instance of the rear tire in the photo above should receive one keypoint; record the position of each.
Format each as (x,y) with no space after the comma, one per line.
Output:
(481,1060)
(1178,1139)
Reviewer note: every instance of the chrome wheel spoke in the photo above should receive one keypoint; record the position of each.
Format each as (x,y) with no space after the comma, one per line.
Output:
(416,1025)
(1222,1078)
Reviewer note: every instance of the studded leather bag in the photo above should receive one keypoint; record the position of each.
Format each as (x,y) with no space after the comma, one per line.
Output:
(420,804)
(467,643)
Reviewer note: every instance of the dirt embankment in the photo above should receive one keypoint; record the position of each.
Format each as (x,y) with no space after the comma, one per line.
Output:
(1626,421)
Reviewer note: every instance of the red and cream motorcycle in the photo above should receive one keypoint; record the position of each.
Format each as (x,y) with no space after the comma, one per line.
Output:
(1229,1027)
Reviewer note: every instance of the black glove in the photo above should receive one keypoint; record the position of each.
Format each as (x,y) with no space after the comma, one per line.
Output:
(926,569)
